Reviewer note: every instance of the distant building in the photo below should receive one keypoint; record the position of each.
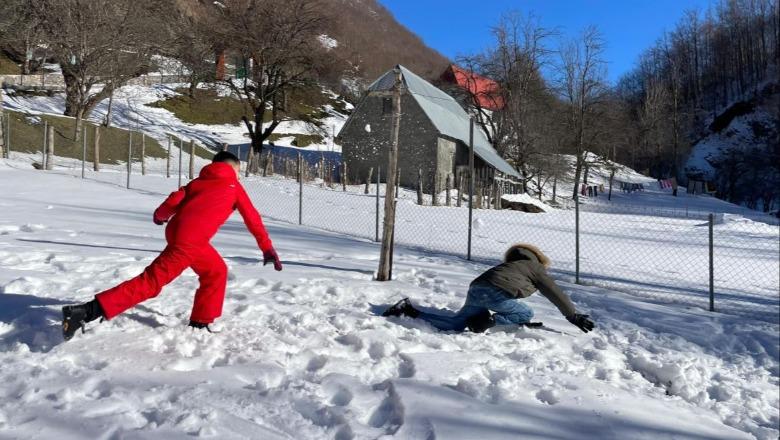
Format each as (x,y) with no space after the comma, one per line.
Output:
(467,85)
(433,137)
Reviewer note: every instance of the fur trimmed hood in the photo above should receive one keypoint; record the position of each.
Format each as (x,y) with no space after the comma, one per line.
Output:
(530,251)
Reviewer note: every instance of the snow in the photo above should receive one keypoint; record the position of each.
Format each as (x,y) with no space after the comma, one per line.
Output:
(303,354)
(738,134)
(527,199)
(130,110)
(328,42)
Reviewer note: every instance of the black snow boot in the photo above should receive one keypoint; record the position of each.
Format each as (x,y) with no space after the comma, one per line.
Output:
(75,317)
(481,322)
(199,326)
(402,308)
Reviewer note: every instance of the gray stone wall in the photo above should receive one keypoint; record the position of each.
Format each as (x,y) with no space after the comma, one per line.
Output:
(417,141)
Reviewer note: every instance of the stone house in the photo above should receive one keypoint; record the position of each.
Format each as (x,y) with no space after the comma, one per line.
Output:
(433,136)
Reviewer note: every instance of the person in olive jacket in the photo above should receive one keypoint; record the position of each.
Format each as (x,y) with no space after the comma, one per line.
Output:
(500,290)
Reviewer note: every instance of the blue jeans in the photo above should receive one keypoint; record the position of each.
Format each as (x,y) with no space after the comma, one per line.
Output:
(507,310)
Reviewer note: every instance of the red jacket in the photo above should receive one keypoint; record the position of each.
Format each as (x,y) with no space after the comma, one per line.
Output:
(201,207)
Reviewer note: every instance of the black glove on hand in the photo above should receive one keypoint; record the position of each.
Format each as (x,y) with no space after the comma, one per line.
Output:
(581,321)
(270,256)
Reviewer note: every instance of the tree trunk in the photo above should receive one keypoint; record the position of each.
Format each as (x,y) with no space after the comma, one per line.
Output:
(107,121)
(555,187)
(96,152)
(459,202)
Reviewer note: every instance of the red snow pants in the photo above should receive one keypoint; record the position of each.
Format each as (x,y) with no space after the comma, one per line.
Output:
(174,259)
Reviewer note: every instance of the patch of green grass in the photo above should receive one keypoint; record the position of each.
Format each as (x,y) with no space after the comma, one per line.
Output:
(27,135)
(7,66)
(301,140)
(207,107)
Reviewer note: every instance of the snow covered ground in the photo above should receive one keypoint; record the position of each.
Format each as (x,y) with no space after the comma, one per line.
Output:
(130,111)
(303,354)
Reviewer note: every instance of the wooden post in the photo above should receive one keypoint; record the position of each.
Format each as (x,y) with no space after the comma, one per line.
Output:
(168,160)
(50,148)
(96,149)
(397,180)
(386,254)
(224,146)
(249,157)
(322,167)
(459,202)
(270,159)
(368,180)
(419,187)
(2,133)
(435,189)
(181,147)
(45,143)
(192,159)
(129,157)
(344,176)
(143,154)
(449,189)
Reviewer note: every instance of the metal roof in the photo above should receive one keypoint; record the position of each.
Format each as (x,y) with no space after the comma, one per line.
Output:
(445,113)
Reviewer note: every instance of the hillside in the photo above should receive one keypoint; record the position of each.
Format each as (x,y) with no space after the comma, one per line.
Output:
(740,151)
(370,38)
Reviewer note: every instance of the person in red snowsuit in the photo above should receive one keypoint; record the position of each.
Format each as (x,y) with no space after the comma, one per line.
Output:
(196,212)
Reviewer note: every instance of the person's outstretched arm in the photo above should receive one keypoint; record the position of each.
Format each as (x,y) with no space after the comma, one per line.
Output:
(168,208)
(254,223)
(547,287)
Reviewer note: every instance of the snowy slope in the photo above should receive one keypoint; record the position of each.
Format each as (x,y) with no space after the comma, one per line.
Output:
(129,110)
(303,354)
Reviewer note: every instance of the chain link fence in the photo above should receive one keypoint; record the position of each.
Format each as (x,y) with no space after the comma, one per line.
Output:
(719,261)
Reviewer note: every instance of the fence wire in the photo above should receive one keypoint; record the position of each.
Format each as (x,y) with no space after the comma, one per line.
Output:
(658,254)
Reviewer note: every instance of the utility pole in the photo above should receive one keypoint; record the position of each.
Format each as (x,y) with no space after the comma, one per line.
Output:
(386,254)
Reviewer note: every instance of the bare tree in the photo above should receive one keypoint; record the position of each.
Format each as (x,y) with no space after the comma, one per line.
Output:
(581,83)
(515,63)
(99,45)
(278,41)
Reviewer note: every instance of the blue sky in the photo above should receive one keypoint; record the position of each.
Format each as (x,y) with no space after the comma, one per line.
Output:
(456,27)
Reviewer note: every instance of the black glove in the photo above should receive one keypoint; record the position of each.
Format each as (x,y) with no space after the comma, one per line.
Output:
(581,321)
(270,256)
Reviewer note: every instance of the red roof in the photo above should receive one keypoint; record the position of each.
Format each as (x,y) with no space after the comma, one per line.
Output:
(484,90)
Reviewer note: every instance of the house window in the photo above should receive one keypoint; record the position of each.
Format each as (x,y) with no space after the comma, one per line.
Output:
(387,106)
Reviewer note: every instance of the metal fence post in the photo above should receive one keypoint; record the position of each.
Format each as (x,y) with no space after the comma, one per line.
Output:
(84,154)
(378,176)
(45,138)
(181,146)
(712,263)
(8,136)
(300,189)
(129,158)
(168,160)
(471,183)
(576,237)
